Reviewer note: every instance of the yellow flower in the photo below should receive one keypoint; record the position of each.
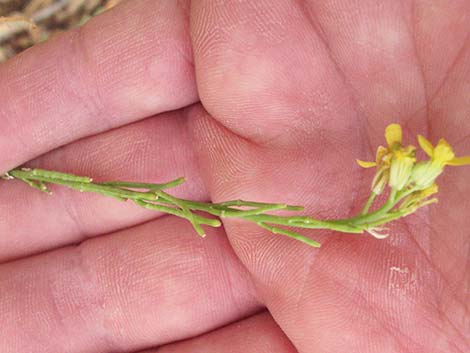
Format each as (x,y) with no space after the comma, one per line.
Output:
(425,173)
(394,163)
(401,167)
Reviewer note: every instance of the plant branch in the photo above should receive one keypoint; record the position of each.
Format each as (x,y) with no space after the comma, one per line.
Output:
(155,197)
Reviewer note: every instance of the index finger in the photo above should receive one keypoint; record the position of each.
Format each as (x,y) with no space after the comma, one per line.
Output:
(127,64)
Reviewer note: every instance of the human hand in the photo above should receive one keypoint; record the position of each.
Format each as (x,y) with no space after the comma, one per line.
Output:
(290,95)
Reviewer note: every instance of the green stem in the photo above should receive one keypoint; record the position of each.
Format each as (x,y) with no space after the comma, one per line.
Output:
(37,174)
(242,203)
(276,230)
(373,216)
(307,222)
(388,218)
(258,215)
(152,196)
(175,212)
(186,211)
(383,215)
(132,185)
(161,201)
(369,203)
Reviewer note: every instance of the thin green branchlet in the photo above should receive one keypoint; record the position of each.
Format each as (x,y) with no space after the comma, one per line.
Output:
(154,197)
(410,185)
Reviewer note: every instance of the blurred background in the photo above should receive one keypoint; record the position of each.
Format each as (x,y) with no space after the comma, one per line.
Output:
(24,23)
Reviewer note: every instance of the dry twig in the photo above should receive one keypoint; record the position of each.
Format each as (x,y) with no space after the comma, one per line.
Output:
(24,23)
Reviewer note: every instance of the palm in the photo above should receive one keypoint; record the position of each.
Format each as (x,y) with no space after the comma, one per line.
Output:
(290,97)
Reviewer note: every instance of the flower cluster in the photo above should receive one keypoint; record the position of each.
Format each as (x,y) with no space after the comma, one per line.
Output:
(412,182)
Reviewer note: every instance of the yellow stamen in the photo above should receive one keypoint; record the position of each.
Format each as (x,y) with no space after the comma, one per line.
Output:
(365,164)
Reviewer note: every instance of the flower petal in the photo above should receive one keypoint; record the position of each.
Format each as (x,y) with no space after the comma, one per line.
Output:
(459,161)
(433,189)
(426,145)
(381,154)
(393,134)
(365,164)
(443,153)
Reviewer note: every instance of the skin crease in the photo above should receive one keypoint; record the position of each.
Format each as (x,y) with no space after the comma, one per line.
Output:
(261,100)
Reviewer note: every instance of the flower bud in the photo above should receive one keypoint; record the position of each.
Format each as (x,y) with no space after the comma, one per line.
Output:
(424,174)
(380,181)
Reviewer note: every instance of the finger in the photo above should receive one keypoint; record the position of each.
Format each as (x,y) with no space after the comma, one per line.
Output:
(141,287)
(269,76)
(257,334)
(441,33)
(373,45)
(394,56)
(127,64)
(271,79)
(448,221)
(156,150)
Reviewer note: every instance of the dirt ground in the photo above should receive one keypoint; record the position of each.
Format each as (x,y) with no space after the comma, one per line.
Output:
(24,23)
